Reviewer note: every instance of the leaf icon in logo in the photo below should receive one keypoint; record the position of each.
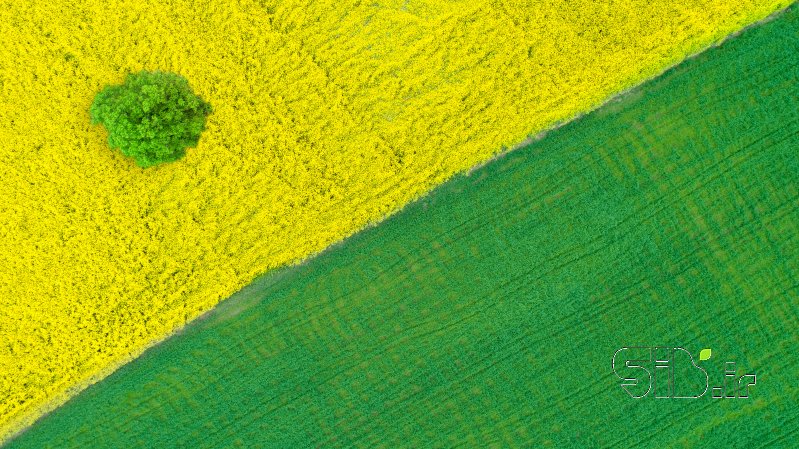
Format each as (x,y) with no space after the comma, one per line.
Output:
(705,354)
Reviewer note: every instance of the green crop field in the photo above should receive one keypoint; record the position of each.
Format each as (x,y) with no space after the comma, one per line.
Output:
(488,314)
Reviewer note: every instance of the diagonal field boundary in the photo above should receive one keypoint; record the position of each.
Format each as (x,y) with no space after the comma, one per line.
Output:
(328,117)
(487,313)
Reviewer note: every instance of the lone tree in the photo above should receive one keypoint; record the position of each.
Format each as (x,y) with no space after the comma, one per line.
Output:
(153,117)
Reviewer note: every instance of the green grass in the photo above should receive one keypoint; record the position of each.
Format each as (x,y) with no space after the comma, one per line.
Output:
(486,315)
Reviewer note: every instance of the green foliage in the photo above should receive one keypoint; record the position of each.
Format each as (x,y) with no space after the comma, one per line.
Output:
(153,117)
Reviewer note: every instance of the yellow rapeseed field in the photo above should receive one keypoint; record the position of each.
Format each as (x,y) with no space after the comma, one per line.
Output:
(328,115)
